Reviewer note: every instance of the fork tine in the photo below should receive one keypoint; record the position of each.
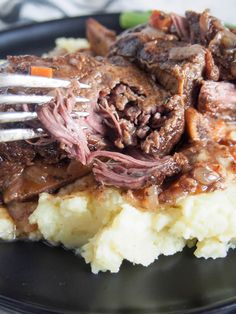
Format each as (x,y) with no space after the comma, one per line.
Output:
(9,135)
(18,116)
(31,99)
(18,80)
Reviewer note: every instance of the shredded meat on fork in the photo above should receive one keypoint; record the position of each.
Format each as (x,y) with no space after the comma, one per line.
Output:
(56,118)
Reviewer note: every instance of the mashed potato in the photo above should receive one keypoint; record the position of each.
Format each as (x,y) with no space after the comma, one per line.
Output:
(67,45)
(71,45)
(7,225)
(105,229)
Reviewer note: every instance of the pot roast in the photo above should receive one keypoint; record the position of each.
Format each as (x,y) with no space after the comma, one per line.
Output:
(160,94)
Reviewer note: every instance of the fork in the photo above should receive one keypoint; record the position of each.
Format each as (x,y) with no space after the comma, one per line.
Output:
(8,80)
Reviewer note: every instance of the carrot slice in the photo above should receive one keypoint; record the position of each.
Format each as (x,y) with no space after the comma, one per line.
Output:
(41,71)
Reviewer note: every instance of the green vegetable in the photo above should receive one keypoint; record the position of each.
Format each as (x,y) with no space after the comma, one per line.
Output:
(131,19)
(230,25)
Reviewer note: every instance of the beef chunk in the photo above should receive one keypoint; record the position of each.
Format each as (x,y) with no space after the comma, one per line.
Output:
(218,99)
(99,37)
(40,177)
(177,66)
(203,128)
(123,101)
(50,152)
(206,171)
(212,71)
(20,152)
(14,156)
(210,32)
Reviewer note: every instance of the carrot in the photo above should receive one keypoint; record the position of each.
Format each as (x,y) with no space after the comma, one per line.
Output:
(41,71)
(160,20)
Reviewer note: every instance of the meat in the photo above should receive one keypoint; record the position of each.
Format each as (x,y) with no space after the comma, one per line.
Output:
(126,109)
(63,66)
(56,117)
(210,32)
(155,82)
(169,131)
(50,151)
(218,99)
(126,171)
(183,51)
(203,128)
(99,37)
(212,71)
(170,23)
(177,66)
(20,152)
(208,163)
(21,161)
(180,26)
(20,212)
(192,19)
(13,158)
(132,40)
(40,177)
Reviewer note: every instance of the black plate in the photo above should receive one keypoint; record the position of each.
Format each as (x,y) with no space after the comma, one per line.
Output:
(35,278)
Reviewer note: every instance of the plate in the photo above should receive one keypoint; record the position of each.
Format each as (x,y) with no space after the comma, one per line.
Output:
(37,278)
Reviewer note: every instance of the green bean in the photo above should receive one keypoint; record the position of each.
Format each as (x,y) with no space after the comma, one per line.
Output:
(131,19)
(232,26)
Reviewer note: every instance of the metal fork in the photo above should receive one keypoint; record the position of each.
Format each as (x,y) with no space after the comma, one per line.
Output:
(27,81)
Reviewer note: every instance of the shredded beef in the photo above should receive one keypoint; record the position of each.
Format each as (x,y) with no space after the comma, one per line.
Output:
(126,171)
(180,26)
(56,118)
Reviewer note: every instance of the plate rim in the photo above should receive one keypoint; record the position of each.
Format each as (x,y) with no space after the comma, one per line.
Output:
(55,21)
(20,307)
